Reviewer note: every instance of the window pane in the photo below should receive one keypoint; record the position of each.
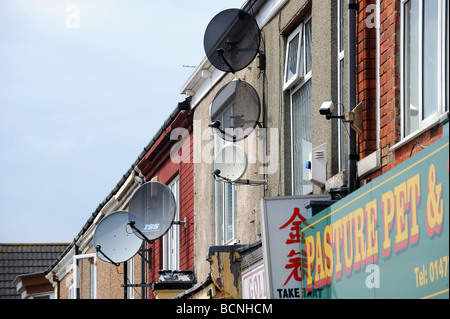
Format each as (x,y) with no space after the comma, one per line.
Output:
(308,40)
(226,118)
(292,57)
(171,239)
(301,70)
(229,218)
(301,138)
(410,63)
(341,25)
(430,57)
(219,212)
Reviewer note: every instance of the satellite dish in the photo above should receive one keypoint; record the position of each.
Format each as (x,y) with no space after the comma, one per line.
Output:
(235,111)
(152,209)
(230,163)
(114,241)
(232,40)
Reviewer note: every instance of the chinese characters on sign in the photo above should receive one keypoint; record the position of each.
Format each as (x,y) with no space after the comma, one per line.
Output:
(282,218)
(294,238)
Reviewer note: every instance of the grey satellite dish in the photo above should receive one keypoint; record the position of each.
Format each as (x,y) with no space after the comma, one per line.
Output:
(235,111)
(152,210)
(232,40)
(114,240)
(230,163)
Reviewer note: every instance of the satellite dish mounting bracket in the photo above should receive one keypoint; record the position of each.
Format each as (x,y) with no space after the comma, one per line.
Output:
(216,125)
(262,60)
(180,222)
(218,178)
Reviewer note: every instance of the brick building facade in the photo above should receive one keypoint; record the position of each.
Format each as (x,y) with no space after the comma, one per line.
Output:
(381,66)
(169,160)
(394,127)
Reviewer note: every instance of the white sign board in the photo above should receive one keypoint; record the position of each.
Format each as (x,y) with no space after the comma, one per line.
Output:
(281,218)
(254,284)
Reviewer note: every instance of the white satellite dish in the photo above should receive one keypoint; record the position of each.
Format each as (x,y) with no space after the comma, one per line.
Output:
(230,164)
(114,240)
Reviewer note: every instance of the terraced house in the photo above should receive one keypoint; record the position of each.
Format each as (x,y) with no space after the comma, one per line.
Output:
(338,187)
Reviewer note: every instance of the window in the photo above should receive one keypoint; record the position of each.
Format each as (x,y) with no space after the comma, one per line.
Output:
(298,80)
(225,204)
(424,82)
(298,55)
(171,240)
(225,193)
(301,138)
(71,292)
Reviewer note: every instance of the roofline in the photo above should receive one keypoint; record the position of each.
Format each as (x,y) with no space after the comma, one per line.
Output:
(182,106)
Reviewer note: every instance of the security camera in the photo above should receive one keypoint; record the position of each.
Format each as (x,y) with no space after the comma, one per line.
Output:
(327,108)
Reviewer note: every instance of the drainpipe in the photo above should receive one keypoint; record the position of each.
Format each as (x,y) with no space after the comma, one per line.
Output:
(352,152)
(75,273)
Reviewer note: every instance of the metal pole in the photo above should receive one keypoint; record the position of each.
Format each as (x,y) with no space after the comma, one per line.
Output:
(125,280)
(76,279)
(143,269)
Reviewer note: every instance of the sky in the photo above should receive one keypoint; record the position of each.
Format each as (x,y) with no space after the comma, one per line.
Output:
(84,87)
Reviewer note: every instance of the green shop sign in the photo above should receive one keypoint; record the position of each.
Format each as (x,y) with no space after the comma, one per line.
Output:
(388,239)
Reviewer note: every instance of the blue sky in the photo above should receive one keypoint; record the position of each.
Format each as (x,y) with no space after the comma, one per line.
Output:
(84,86)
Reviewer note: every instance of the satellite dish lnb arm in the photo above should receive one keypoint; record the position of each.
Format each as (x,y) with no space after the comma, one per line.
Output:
(220,52)
(250,182)
(99,249)
(216,125)
(216,174)
(131,224)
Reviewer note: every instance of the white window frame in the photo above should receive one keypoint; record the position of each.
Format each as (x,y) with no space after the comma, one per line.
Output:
(71,292)
(296,83)
(300,30)
(222,193)
(292,93)
(171,240)
(221,189)
(424,124)
(341,84)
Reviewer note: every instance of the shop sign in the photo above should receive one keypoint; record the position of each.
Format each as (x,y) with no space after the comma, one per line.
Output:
(281,218)
(253,284)
(389,239)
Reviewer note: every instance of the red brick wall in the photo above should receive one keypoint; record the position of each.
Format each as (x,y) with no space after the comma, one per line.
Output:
(389,80)
(366,79)
(390,90)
